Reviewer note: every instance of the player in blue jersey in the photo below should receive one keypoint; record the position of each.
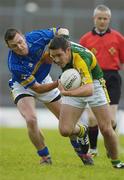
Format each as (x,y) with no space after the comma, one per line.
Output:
(29,64)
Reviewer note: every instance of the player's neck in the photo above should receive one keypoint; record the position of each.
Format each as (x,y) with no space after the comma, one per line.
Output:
(100,32)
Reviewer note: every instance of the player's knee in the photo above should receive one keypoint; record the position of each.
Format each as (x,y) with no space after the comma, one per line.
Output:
(106,131)
(64,131)
(31,121)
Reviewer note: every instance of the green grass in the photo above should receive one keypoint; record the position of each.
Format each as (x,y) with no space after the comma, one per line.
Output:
(19,161)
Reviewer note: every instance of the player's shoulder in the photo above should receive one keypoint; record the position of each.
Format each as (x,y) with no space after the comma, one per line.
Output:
(33,35)
(117,33)
(81,50)
(37,32)
(77,48)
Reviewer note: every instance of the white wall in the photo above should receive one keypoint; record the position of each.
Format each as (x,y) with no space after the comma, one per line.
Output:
(10,117)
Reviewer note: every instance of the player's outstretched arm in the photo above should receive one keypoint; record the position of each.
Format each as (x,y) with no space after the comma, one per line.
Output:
(42,88)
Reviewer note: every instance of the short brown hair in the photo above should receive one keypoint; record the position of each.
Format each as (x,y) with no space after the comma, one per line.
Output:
(10,34)
(59,42)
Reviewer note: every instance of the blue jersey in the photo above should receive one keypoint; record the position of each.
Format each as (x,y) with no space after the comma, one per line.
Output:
(26,70)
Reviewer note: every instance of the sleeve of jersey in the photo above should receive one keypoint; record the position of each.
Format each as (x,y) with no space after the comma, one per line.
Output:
(55,30)
(83,68)
(42,36)
(26,80)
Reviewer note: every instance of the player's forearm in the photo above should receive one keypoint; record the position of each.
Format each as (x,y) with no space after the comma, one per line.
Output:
(42,88)
(83,91)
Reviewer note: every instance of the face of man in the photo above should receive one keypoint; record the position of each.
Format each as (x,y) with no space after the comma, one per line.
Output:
(18,45)
(60,57)
(102,20)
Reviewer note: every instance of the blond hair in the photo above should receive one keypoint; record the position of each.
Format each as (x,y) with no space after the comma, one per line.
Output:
(101,8)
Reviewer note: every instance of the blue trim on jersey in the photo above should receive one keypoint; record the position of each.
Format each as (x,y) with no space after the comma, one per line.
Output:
(31,67)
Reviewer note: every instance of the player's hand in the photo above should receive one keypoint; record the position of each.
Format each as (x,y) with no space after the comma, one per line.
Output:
(61,88)
(63,31)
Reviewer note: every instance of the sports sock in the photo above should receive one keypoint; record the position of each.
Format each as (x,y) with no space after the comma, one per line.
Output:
(83,139)
(76,145)
(44,152)
(81,150)
(115,162)
(82,131)
(93,135)
(80,143)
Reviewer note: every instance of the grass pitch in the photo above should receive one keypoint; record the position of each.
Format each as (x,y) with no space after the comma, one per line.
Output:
(19,161)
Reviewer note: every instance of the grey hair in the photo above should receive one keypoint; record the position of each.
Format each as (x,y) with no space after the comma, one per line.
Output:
(101,8)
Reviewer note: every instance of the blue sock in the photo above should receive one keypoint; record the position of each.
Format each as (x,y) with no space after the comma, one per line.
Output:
(43,152)
(76,147)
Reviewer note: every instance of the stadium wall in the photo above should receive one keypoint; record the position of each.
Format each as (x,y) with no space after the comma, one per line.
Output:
(10,117)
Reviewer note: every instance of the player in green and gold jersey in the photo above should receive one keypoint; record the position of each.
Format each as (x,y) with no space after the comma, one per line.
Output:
(92,92)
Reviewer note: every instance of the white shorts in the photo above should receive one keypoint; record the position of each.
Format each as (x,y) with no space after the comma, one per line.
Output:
(99,98)
(18,91)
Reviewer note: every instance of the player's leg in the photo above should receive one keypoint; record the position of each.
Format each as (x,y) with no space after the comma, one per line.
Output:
(89,119)
(54,106)
(93,128)
(68,127)
(114,108)
(113,84)
(25,102)
(79,131)
(51,100)
(92,132)
(101,109)
(26,106)
(103,115)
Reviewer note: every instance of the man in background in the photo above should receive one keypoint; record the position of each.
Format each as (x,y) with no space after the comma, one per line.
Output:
(108,46)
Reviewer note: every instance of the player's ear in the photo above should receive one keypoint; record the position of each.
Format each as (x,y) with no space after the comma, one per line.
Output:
(68,49)
(6,44)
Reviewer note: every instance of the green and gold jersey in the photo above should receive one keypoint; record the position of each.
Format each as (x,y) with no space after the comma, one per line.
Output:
(85,62)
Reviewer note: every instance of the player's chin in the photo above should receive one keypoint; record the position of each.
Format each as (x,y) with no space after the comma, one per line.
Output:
(62,65)
(21,53)
(102,28)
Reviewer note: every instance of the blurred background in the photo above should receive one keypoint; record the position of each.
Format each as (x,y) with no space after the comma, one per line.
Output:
(27,15)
